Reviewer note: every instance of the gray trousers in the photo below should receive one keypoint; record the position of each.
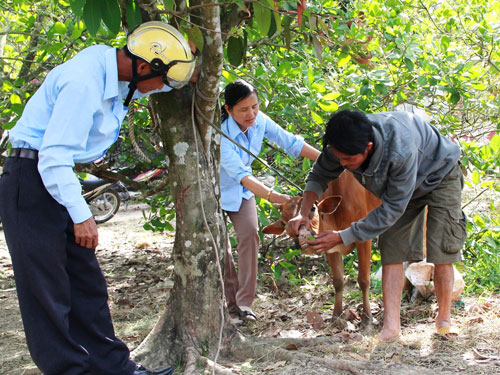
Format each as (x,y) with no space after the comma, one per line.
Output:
(240,285)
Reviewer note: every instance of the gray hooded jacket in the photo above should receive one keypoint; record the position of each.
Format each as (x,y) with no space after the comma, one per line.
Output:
(409,160)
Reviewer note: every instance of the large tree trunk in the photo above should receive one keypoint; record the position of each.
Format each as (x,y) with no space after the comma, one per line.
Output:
(191,324)
(193,312)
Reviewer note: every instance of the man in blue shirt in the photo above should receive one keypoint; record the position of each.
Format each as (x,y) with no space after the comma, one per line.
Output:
(74,117)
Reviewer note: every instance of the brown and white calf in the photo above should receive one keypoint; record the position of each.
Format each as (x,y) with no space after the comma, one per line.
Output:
(344,202)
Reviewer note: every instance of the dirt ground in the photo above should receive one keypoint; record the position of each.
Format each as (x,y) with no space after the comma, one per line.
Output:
(137,267)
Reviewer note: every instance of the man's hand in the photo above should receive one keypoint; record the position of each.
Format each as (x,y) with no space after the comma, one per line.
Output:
(324,241)
(86,233)
(302,218)
(297,222)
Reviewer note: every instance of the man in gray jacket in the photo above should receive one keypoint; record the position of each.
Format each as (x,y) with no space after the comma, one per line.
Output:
(409,165)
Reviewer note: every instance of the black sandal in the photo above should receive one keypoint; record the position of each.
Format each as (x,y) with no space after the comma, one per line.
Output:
(248,315)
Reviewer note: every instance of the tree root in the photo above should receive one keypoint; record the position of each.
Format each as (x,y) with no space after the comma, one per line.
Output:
(288,350)
(191,359)
(217,369)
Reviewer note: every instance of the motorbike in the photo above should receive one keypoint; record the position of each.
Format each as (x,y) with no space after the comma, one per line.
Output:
(103,198)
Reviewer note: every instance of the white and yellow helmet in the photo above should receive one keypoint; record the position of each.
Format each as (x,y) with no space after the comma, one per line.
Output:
(165,49)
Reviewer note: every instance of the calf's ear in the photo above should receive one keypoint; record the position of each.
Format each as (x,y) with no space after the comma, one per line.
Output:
(330,204)
(275,228)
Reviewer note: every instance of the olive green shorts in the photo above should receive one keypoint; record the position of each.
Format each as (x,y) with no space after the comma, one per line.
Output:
(446,226)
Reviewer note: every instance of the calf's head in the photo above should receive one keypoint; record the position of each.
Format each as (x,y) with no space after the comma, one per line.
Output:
(291,208)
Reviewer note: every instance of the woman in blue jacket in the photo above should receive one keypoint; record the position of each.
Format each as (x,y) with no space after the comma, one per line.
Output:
(243,122)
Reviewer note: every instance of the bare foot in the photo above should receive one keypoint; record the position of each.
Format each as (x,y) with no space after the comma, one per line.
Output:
(387,335)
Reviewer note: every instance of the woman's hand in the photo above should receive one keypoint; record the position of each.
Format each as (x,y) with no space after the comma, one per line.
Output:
(279,198)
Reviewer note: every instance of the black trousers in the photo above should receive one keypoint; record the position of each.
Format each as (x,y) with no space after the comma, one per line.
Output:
(61,288)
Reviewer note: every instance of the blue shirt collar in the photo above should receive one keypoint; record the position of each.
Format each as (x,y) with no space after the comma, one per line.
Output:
(111,86)
(234,130)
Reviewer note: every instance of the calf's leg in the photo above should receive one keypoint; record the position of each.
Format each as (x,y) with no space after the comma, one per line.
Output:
(337,268)
(364,262)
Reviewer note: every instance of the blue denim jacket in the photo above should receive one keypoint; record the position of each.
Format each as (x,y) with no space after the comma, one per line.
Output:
(236,163)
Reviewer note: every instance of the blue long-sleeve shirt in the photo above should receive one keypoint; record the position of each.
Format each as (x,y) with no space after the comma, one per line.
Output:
(74,117)
(236,163)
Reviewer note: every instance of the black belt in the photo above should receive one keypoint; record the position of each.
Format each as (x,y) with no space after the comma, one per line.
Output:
(26,153)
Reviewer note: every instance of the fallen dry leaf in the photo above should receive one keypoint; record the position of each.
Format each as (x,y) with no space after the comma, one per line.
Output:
(350,315)
(477,319)
(478,356)
(357,357)
(275,365)
(314,318)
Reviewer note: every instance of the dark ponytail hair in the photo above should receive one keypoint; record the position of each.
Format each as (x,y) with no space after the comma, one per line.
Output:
(349,132)
(235,92)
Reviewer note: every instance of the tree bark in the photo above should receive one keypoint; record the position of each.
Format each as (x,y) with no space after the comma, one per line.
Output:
(193,315)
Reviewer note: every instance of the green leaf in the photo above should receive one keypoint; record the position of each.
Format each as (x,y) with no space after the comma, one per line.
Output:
(292,254)
(290,267)
(445,42)
(7,86)
(235,50)
(479,222)
(422,80)
(330,107)
(479,86)
(15,99)
(263,18)
(310,75)
(92,15)
(278,272)
(453,96)
(77,7)
(78,28)
(284,69)
(133,14)
(195,35)
(331,96)
(169,4)
(313,22)
(55,48)
(111,15)
(317,119)
(409,64)
(318,48)
(59,28)
(475,177)
(277,21)
(272,28)
(344,59)
(495,142)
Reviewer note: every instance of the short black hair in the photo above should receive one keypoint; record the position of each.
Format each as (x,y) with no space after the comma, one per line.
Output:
(235,92)
(349,132)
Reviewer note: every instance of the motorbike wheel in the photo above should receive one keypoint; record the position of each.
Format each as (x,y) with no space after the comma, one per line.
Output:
(105,206)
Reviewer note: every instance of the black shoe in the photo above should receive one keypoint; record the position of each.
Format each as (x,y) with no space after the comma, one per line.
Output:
(141,370)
